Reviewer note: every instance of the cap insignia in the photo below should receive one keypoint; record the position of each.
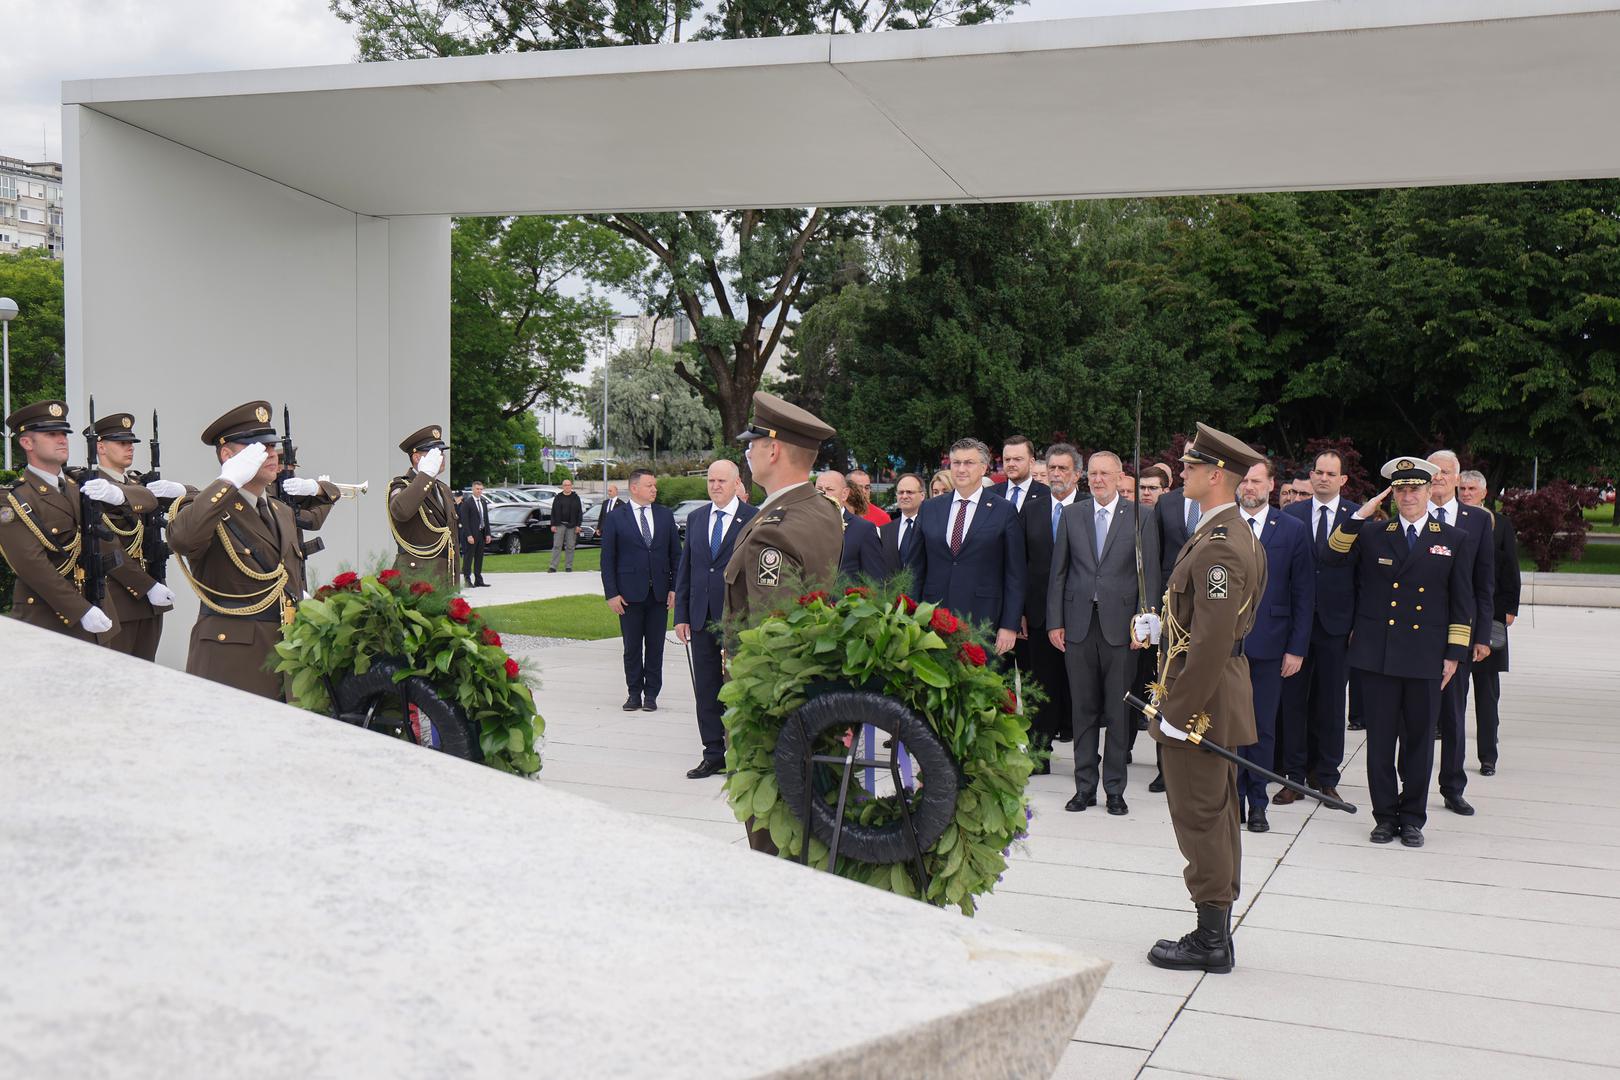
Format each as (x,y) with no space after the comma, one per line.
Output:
(128,423)
(1404,463)
(262,414)
(436,433)
(55,409)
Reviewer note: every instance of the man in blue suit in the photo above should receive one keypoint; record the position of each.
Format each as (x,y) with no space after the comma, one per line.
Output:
(1479,563)
(700,594)
(1310,727)
(1276,645)
(640,552)
(862,557)
(899,537)
(1018,462)
(971,558)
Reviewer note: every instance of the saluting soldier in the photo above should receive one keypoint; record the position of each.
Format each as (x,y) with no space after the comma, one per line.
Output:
(39,528)
(1209,607)
(1414,625)
(238,547)
(138,600)
(422,512)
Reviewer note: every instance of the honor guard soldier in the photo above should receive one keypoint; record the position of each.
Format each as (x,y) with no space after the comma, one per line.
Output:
(238,547)
(422,512)
(1414,623)
(1209,607)
(40,528)
(138,600)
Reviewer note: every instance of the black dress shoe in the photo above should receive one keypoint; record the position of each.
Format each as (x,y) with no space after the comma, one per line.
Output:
(1257,819)
(1458,805)
(1116,805)
(1079,803)
(1411,836)
(1208,948)
(632,703)
(1064,736)
(1157,786)
(481,585)
(551,569)
(1487,768)
(708,768)
(1382,833)
(649,705)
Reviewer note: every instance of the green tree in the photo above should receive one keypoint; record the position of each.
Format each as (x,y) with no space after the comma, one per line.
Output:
(648,400)
(520,325)
(34,281)
(735,275)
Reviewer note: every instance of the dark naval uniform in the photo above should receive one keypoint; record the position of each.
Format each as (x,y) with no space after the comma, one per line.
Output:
(1414,611)
(39,536)
(241,557)
(422,517)
(1210,602)
(140,623)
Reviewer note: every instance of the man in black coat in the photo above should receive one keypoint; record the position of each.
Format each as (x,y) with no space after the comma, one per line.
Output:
(640,554)
(1471,489)
(473,526)
(862,558)
(1043,661)
(1018,463)
(900,535)
(567,515)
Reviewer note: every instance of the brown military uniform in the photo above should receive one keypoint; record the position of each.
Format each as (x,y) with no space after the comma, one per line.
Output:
(140,625)
(248,573)
(792,543)
(422,517)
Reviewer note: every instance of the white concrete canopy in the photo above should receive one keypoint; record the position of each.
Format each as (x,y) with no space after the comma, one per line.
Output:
(284,234)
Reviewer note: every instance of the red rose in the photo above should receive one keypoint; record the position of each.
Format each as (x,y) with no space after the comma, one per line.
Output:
(388,577)
(857,590)
(344,580)
(491,637)
(421,588)
(911,605)
(944,622)
(971,654)
(809,598)
(1010,706)
(323,592)
(511,668)
(460,610)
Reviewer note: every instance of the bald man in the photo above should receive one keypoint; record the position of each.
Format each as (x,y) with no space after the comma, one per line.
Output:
(862,557)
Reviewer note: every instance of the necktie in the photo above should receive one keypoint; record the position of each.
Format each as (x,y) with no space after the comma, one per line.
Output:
(1321,527)
(1057,516)
(61,484)
(1102,532)
(1194,512)
(1012,496)
(269,518)
(1411,537)
(1254,524)
(960,523)
(717,535)
(905,534)
(1440,515)
(646,529)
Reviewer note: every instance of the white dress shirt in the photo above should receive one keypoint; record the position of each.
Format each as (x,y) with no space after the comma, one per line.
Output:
(1022,490)
(1449,507)
(1111,509)
(1316,513)
(972,508)
(636,512)
(907,524)
(1257,520)
(56,481)
(730,510)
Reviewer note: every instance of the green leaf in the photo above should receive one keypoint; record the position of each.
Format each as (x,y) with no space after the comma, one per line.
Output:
(928,670)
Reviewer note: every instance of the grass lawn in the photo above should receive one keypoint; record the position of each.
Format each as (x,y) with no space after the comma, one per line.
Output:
(1601,519)
(1600,558)
(586,618)
(585,558)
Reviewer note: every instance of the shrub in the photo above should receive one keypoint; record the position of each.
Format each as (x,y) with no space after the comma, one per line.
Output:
(1549,522)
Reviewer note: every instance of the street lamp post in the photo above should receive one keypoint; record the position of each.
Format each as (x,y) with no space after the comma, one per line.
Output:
(655,400)
(8,311)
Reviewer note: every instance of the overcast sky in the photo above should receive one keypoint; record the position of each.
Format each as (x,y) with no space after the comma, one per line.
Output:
(76,39)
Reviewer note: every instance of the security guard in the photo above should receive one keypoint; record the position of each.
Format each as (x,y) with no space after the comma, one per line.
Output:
(1414,623)
(1209,607)
(137,598)
(797,537)
(238,547)
(39,528)
(422,512)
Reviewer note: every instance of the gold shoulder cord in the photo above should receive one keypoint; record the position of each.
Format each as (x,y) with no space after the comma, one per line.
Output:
(432,551)
(259,600)
(137,536)
(71,564)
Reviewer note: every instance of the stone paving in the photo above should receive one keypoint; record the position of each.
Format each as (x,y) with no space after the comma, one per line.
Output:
(1494,951)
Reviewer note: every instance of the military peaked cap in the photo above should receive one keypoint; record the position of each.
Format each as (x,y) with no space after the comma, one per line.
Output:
(776,419)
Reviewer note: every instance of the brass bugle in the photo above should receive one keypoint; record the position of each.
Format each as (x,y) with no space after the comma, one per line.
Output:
(352,491)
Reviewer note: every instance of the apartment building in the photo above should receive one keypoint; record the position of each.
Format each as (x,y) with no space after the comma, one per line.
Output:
(31,206)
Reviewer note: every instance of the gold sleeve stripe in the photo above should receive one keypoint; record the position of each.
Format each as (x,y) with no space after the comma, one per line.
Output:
(1459,634)
(1341,541)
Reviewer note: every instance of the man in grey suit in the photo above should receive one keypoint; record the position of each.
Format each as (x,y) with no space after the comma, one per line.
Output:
(1090,615)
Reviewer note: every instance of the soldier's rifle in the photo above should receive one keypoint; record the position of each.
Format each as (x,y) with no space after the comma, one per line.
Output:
(289,469)
(154,545)
(1195,734)
(94,565)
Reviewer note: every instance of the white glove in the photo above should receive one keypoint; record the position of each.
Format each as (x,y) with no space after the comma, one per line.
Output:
(431,462)
(323,478)
(298,485)
(1146,627)
(159,595)
(1171,730)
(104,491)
(95,621)
(242,468)
(166,489)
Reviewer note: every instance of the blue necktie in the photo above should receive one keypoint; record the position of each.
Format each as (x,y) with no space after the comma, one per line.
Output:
(1102,532)
(646,528)
(1194,512)
(1440,516)
(1057,516)
(1321,527)
(1411,537)
(905,535)
(718,534)
(1012,496)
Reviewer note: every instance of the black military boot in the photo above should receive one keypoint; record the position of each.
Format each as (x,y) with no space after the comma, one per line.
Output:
(1208,948)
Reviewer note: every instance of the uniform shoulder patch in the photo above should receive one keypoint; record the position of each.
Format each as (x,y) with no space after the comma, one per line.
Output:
(1217,532)
(1392,527)
(770,567)
(1216,583)
(7,515)
(1434,526)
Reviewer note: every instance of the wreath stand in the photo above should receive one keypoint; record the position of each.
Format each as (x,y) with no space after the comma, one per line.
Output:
(361,700)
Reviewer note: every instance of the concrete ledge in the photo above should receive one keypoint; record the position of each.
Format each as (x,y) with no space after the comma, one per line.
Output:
(1570,590)
(202,883)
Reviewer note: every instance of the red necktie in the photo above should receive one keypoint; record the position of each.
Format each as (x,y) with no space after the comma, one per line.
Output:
(956,528)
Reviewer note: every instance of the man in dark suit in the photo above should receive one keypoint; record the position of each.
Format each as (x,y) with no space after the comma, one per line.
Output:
(971,558)
(899,536)
(1277,642)
(1018,463)
(640,554)
(1042,516)
(1414,618)
(700,594)
(612,502)
(862,558)
(1471,489)
(1480,565)
(1176,517)
(473,512)
(1310,726)
(1092,604)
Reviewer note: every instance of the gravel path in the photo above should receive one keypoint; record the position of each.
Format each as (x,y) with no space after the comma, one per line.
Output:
(526,643)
